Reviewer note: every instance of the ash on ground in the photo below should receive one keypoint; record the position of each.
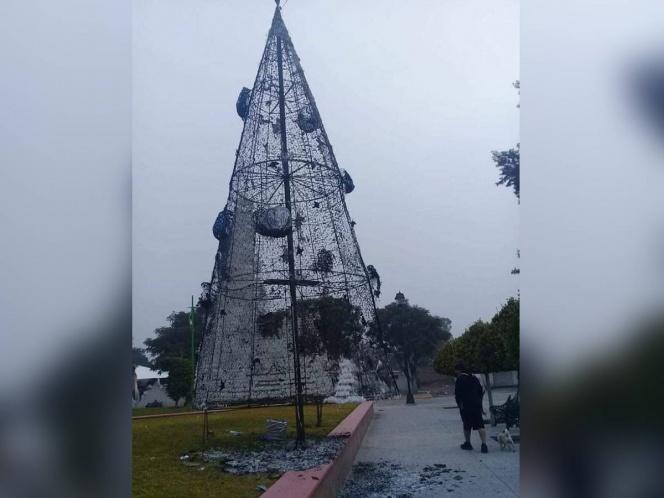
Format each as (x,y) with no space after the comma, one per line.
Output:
(390,480)
(271,459)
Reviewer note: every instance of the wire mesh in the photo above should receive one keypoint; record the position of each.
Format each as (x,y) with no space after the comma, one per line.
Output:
(246,353)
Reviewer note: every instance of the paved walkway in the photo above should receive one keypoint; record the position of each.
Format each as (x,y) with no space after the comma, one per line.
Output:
(429,433)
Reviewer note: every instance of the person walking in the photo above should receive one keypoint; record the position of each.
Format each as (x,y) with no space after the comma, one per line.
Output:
(468,393)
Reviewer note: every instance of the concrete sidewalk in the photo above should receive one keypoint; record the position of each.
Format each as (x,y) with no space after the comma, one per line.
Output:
(417,437)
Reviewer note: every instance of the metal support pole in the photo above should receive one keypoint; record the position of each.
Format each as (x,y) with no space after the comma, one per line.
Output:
(192,326)
(206,430)
(299,402)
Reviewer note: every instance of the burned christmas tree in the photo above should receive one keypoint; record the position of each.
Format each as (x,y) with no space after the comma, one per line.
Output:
(290,296)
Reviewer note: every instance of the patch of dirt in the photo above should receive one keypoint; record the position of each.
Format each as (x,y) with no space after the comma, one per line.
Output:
(386,479)
(271,459)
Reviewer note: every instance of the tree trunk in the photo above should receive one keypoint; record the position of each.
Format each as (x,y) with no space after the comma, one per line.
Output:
(410,400)
(416,379)
(394,381)
(490,396)
(319,412)
(413,376)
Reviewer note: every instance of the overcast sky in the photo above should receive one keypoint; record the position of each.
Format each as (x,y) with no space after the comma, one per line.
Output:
(413,100)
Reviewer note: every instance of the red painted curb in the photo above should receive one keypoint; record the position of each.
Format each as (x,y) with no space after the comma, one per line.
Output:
(326,481)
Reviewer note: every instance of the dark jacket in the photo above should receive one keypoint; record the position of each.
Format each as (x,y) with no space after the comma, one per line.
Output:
(468,392)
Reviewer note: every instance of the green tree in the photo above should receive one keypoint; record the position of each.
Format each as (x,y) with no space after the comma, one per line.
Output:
(506,324)
(508,162)
(138,358)
(326,325)
(411,334)
(171,348)
(484,349)
(329,325)
(448,356)
(180,376)
(481,349)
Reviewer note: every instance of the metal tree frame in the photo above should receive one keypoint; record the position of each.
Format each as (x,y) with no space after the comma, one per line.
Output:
(284,160)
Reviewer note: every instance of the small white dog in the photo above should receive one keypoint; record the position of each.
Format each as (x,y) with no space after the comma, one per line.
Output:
(505,440)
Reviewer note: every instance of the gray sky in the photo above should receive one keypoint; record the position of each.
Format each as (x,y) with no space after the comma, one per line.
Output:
(413,98)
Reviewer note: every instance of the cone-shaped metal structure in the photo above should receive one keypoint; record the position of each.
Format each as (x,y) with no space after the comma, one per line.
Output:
(290,297)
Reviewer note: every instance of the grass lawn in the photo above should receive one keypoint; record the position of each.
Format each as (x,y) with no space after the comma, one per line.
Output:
(158,443)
